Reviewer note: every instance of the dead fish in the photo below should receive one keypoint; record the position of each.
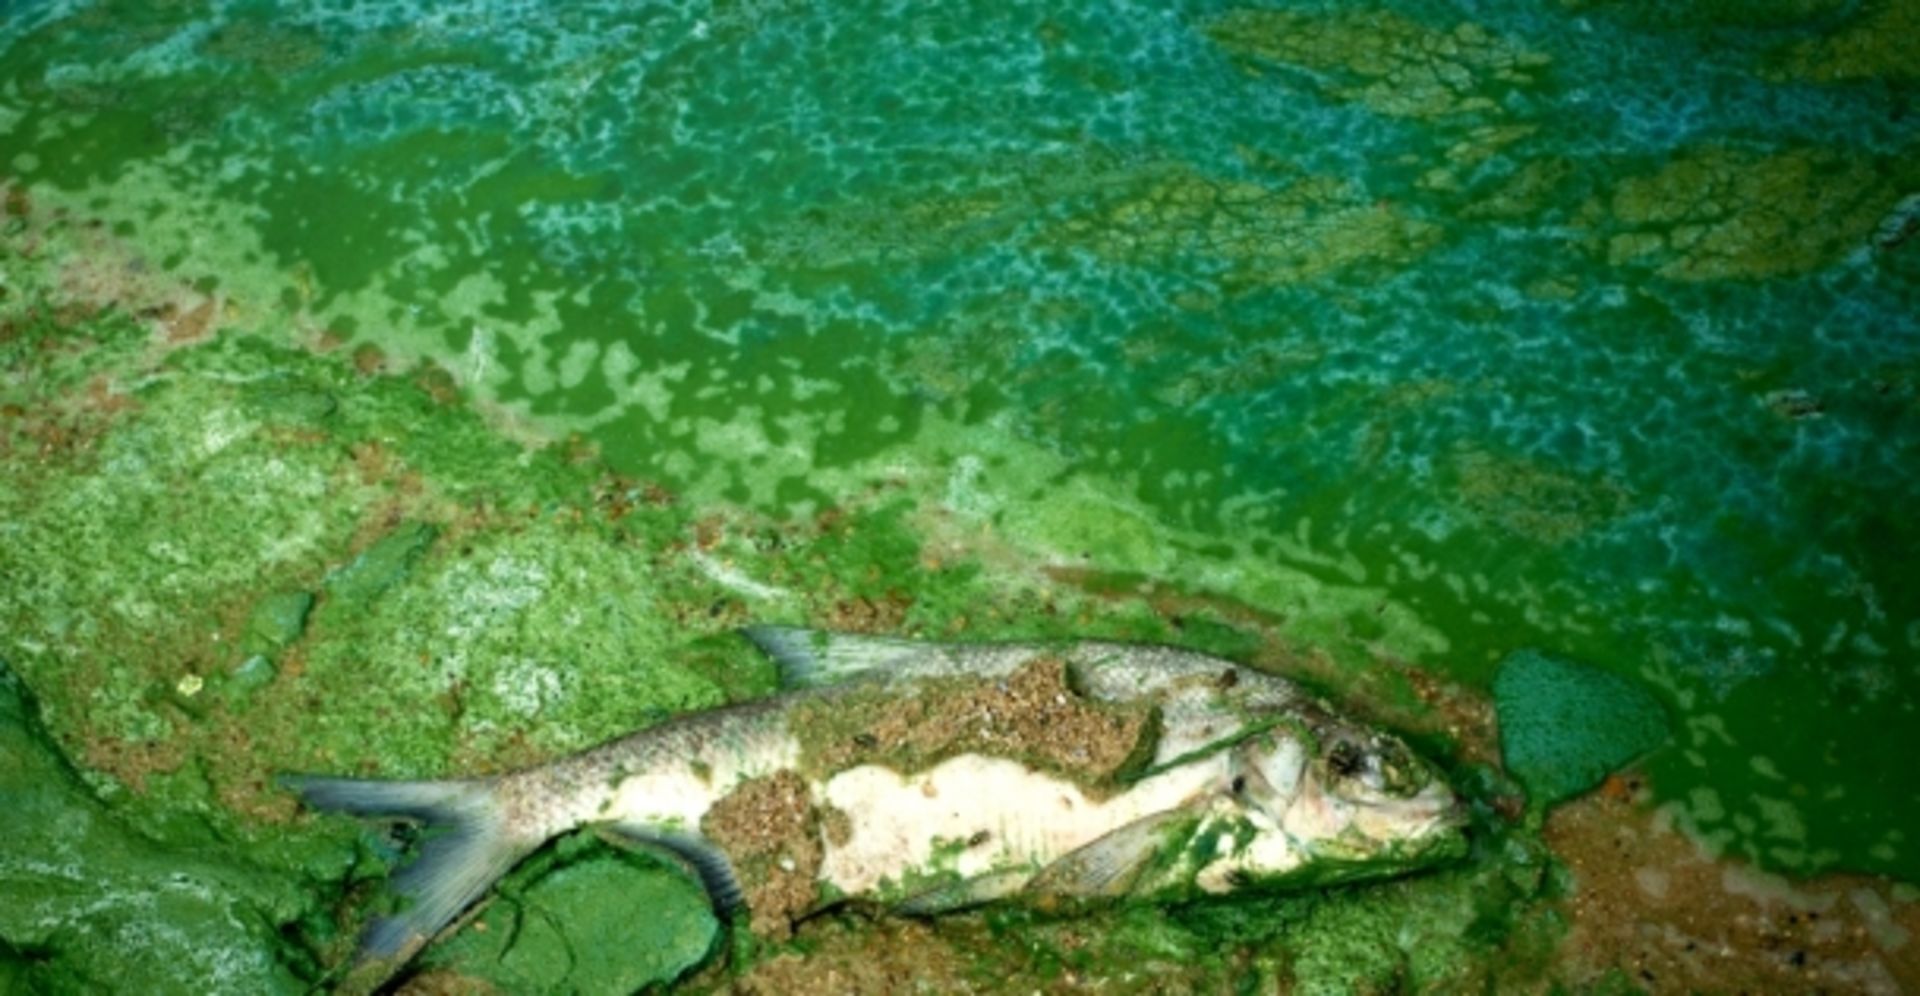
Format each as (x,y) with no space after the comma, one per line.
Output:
(929,777)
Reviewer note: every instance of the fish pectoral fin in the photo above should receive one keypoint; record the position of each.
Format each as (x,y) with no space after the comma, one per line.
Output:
(812,658)
(955,896)
(690,851)
(1109,865)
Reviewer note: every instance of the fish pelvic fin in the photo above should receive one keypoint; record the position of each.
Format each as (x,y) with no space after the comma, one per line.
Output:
(466,848)
(812,658)
(690,851)
(966,894)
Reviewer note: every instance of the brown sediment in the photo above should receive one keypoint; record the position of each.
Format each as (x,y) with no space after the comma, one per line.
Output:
(860,614)
(708,531)
(1032,715)
(892,956)
(613,495)
(496,755)
(182,325)
(102,274)
(369,359)
(66,429)
(962,955)
(706,614)
(1651,903)
(258,799)
(1464,715)
(437,383)
(372,460)
(132,762)
(770,830)
(580,450)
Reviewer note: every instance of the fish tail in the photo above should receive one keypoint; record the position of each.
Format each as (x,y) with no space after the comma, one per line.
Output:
(466,846)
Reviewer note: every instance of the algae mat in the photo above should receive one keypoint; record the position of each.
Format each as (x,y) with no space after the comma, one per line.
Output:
(412,389)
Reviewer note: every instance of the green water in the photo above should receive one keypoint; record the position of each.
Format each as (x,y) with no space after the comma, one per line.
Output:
(1438,331)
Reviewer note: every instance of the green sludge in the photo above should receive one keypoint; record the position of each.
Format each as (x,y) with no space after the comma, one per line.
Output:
(1564,726)
(600,922)
(92,903)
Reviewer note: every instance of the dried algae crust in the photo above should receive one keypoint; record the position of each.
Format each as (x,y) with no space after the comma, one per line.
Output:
(1716,212)
(1034,715)
(1394,65)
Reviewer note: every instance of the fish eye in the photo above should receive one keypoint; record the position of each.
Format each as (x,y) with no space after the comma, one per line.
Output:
(1345,760)
(1239,784)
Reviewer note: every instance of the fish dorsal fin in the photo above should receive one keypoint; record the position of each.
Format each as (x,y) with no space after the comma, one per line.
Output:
(813,658)
(1107,866)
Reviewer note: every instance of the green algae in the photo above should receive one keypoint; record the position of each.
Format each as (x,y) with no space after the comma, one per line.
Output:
(1564,726)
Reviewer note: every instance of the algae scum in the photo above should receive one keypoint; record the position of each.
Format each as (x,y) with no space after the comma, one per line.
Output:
(426,390)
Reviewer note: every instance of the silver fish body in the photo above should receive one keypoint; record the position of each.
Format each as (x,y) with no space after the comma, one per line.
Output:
(1238,779)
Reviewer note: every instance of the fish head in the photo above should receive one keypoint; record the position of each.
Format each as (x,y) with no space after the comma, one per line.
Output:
(1325,800)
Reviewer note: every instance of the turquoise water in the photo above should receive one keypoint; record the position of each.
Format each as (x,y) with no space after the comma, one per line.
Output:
(1479,327)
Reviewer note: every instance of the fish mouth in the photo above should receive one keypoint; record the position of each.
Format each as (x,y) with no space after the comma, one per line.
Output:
(1437,804)
(1448,819)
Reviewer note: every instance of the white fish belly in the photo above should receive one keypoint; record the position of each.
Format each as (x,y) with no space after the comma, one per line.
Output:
(996,813)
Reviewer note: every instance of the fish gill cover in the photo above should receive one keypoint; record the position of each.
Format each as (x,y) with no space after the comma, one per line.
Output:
(415,390)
